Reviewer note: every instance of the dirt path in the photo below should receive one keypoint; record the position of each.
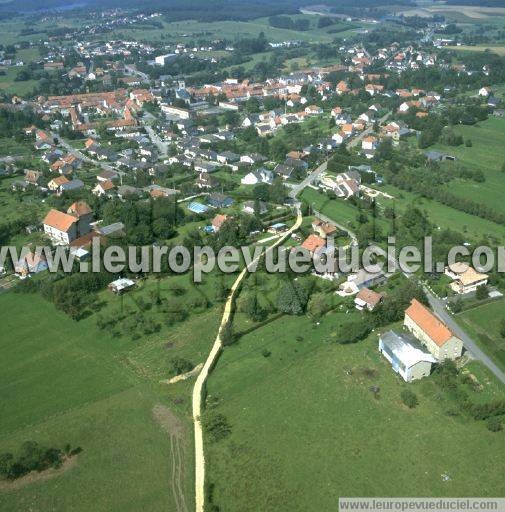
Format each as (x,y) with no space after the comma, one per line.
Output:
(183,376)
(175,429)
(202,377)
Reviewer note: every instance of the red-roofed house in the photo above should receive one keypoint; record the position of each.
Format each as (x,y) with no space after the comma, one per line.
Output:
(432,332)
(313,242)
(60,227)
(218,221)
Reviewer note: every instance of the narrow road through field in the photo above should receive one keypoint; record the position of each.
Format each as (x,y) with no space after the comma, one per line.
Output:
(202,377)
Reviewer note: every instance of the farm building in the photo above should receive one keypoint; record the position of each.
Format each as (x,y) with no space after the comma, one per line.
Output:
(407,357)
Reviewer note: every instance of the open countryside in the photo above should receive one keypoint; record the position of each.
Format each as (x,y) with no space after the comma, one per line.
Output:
(303,127)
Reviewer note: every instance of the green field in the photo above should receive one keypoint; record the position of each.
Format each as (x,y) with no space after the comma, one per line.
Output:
(487,154)
(483,324)
(306,428)
(494,48)
(9,84)
(69,382)
(174,31)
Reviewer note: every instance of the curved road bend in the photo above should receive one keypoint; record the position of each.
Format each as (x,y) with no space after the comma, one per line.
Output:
(203,375)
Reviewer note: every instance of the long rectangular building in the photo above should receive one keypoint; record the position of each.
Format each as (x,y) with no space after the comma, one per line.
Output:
(432,332)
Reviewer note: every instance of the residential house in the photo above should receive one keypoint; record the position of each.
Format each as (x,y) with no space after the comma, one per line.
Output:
(323,228)
(227,157)
(362,279)
(206,181)
(367,299)
(121,285)
(369,143)
(284,171)
(485,91)
(218,221)
(60,227)
(70,186)
(465,278)
(156,191)
(107,175)
(217,200)
(123,191)
(31,263)
(84,215)
(56,183)
(250,207)
(253,159)
(313,243)
(32,177)
(104,188)
(432,332)
(262,175)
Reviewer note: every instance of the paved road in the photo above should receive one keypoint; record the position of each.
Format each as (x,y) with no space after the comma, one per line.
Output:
(162,146)
(203,375)
(312,177)
(79,154)
(439,308)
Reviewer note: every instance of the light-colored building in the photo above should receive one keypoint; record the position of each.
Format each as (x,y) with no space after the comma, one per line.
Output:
(465,278)
(60,227)
(432,332)
(31,263)
(163,60)
(407,356)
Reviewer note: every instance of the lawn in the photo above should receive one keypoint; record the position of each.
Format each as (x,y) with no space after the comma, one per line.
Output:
(483,324)
(306,428)
(66,381)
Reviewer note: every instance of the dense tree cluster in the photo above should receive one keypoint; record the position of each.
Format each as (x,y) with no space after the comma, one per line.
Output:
(33,457)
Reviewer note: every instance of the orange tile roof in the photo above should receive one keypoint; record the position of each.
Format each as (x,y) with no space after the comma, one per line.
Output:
(428,322)
(59,220)
(313,242)
(60,180)
(219,220)
(79,208)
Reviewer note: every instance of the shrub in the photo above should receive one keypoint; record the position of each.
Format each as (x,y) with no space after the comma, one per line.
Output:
(180,365)
(482,292)
(227,335)
(494,424)
(216,426)
(292,299)
(409,398)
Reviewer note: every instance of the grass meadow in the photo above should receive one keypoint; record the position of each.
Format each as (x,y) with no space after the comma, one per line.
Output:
(487,153)
(483,324)
(306,428)
(70,382)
